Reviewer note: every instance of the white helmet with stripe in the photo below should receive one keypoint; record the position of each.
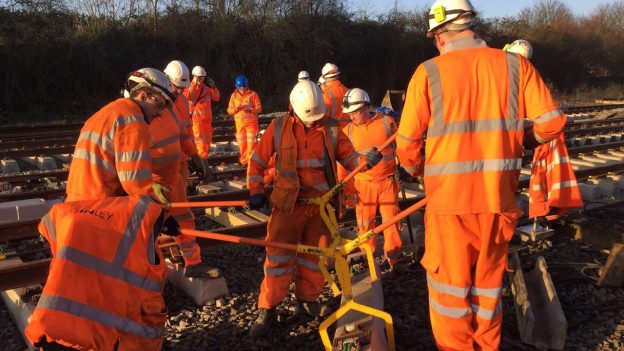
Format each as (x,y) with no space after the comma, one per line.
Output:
(452,14)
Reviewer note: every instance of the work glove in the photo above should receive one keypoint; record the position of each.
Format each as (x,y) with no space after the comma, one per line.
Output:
(373,157)
(160,190)
(204,172)
(210,82)
(171,227)
(257,201)
(402,176)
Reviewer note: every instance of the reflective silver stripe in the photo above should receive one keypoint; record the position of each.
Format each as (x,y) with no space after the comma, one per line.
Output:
(170,140)
(334,109)
(166,159)
(410,169)
(350,131)
(487,313)
(50,227)
(255,178)
(135,174)
(125,120)
(93,158)
(479,125)
(310,163)
(333,129)
(97,139)
(408,139)
(351,161)
(98,315)
(498,165)
(130,156)
(545,117)
(188,216)
(280,258)
(433,75)
(513,75)
(132,230)
(277,141)
(307,264)
(113,270)
(364,151)
(175,117)
(453,312)
(493,292)
(446,288)
(278,271)
(387,126)
(151,250)
(539,138)
(321,187)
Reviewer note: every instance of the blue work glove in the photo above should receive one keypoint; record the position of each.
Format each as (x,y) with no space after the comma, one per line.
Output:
(171,227)
(402,176)
(257,201)
(373,157)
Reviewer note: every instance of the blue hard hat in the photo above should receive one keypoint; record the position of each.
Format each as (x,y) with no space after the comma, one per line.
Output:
(241,81)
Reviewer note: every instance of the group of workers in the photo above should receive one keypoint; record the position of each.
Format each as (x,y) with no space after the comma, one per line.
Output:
(471,104)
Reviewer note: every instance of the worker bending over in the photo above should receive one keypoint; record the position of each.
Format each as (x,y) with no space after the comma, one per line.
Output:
(306,146)
(377,187)
(470,103)
(201,93)
(245,106)
(171,143)
(112,154)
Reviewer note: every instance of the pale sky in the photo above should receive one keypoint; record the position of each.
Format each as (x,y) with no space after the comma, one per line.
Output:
(488,8)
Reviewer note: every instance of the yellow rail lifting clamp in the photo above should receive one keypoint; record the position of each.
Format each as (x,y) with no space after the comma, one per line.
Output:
(337,250)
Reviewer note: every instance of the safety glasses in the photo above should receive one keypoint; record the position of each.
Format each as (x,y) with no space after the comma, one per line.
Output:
(346,103)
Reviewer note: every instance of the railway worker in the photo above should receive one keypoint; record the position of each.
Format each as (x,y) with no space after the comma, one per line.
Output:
(470,103)
(201,93)
(377,187)
(307,146)
(104,289)
(112,155)
(171,146)
(520,46)
(245,106)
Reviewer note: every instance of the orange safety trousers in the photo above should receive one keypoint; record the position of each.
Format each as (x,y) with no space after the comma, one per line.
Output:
(187,244)
(202,130)
(465,258)
(305,226)
(247,138)
(383,195)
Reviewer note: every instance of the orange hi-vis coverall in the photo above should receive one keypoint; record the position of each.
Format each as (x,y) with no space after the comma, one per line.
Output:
(200,97)
(112,156)
(187,138)
(304,168)
(245,107)
(553,183)
(471,102)
(168,133)
(377,188)
(104,289)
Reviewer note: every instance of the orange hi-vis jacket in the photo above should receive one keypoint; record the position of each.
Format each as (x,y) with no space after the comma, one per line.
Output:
(112,155)
(474,128)
(553,183)
(372,134)
(305,164)
(200,98)
(333,93)
(182,116)
(106,276)
(165,149)
(239,102)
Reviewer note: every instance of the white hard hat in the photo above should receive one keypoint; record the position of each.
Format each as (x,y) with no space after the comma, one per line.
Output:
(522,47)
(199,71)
(354,99)
(303,75)
(330,70)
(153,79)
(306,99)
(321,80)
(178,74)
(456,14)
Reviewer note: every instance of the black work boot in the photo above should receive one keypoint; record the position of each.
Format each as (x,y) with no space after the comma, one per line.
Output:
(314,309)
(265,322)
(201,270)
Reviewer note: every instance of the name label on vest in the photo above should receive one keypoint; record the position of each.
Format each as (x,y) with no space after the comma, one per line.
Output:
(97,213)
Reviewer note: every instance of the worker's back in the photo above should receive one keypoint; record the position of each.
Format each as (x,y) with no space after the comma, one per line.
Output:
(112,154)
(478,100)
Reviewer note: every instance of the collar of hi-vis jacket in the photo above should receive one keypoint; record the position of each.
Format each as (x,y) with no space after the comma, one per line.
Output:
(464,43)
